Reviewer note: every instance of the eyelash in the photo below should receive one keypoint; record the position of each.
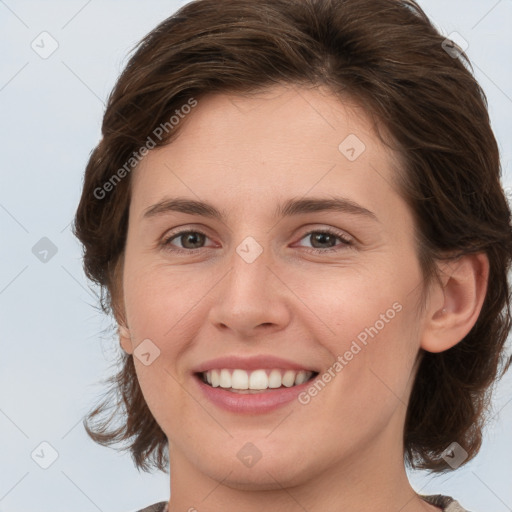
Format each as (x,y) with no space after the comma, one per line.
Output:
(346,242)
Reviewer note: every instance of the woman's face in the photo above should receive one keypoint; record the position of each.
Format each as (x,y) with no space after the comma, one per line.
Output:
(265,280)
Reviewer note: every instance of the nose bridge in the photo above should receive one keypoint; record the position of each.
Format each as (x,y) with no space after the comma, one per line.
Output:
(250,294)
(250,273)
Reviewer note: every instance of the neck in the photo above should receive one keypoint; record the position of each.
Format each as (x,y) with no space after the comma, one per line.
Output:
(370,477)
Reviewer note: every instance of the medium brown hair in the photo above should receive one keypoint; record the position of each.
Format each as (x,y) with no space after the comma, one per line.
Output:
(388,57)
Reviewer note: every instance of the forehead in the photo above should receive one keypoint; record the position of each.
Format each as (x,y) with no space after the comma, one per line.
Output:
(286,140)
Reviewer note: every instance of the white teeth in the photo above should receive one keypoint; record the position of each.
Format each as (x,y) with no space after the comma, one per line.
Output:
(289,378)
(239,379)
(225,379)
(301,377)
(274,379)
(215,376)
(257,379)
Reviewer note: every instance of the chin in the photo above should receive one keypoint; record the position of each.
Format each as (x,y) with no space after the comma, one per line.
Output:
(268,473)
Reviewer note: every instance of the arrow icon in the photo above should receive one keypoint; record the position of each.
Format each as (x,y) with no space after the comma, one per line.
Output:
(454,455)
(249,455)
(44,250)
(44,44)
(44,455)
(352,147)
(249,249)
(454,45)
(147,352)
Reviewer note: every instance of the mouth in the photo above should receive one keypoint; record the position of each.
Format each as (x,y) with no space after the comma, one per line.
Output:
(255,381)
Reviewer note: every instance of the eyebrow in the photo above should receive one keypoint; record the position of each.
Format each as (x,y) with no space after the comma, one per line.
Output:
(289,208)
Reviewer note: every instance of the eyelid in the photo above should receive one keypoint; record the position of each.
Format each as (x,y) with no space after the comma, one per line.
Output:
(347,241)
(328,229)
(175,233)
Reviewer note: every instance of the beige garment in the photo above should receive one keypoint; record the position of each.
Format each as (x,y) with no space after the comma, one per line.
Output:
(446,503)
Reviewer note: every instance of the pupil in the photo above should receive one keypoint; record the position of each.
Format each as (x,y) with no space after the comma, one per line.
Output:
(320,236)
(190,237)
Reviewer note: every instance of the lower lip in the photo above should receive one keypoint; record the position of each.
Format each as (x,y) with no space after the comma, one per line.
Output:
(255,403)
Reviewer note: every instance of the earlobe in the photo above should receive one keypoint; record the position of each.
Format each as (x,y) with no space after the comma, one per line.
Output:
(452,313)
(125,338)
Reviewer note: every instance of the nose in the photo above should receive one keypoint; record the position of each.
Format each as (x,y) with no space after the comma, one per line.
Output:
(251,299)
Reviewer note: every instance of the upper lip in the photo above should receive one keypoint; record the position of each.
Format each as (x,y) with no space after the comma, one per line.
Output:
(250,363)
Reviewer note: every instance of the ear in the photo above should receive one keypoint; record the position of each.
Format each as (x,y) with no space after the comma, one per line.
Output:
(125,338)
(119,307)
(453,307)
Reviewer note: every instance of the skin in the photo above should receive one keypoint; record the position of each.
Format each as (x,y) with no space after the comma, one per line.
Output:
(343,450)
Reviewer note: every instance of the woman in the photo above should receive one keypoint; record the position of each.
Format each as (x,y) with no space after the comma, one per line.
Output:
(296,216)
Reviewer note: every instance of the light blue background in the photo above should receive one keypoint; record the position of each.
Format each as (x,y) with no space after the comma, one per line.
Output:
(54,347)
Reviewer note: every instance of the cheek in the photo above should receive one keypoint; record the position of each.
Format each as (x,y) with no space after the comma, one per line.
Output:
(374,319)
(379,375)
(156,298)
(361,305)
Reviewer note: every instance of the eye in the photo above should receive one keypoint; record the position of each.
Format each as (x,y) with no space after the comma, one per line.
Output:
(190,240)
(327,237)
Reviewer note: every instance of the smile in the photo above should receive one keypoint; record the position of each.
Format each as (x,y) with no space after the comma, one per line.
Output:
(238,380)
(262,390)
